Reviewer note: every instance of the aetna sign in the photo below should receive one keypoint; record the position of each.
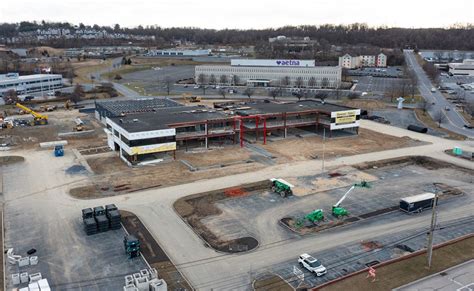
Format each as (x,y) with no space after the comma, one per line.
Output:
(288,62)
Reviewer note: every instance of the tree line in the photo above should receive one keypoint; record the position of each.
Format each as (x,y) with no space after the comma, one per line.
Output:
(460,37)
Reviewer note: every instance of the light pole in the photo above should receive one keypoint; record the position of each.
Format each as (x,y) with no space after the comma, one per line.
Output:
(429,251)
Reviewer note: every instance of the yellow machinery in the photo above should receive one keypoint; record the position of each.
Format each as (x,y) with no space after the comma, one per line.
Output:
(190,98)
(39,119)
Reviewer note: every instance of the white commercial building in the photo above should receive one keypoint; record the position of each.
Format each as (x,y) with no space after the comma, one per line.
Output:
(270,73)
(466,68)
(349,62)
(30,83)
(178,53)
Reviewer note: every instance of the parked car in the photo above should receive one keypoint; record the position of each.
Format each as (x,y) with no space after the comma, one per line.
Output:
(197,87)
(311,264)
(468,126)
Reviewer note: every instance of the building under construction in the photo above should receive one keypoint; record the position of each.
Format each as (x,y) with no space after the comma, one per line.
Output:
(149,129)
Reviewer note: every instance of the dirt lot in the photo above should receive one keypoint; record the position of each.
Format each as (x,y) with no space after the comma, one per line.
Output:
(153,253)
(366,104)
(115,178)
(297,149)
(84,68)
(215,157)
(409,270)
(59,122)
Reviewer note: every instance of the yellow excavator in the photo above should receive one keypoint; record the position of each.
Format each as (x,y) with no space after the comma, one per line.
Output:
(39,119)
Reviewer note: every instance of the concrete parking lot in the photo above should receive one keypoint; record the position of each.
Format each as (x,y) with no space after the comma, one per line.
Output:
(375,85)
(356,256)
(39,216)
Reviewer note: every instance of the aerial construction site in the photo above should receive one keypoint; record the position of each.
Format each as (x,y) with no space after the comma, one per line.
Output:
(222,194)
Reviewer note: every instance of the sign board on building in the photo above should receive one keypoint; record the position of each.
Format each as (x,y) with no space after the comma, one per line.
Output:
(155,148)
(272,63)
(345,119)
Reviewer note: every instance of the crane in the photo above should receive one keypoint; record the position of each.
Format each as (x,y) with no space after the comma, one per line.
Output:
(339,211)
(39,119)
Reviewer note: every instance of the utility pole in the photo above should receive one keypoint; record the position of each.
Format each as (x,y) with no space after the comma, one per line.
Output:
(429,252)
(324,145)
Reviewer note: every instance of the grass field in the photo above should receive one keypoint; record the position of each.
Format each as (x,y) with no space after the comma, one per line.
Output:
(426,119)
(409,270)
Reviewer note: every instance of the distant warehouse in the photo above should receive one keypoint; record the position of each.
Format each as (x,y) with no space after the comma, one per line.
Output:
(179,53)
(466,68)
(29,83)
(270,73)
(149,130)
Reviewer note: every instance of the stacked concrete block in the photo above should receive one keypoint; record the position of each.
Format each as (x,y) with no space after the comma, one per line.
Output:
(128,280)
(102,223)
(158,285)
(25,261)
(24,277)
(24,289)
(153,274)
(100,219)
(33,286)
(44,285)
(33,260)
(114,219)
(16,279)
(35,277)
(142,283)
(130,287)
(90,226)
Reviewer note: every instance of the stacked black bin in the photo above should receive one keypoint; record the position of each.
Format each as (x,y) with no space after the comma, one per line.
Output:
(131,245)
(90,226)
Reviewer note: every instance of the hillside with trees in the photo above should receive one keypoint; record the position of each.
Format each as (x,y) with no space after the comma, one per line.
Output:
(460,37)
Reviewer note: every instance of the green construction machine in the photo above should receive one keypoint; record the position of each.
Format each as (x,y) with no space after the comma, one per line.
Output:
(315,216)
(339,211)
(281,187)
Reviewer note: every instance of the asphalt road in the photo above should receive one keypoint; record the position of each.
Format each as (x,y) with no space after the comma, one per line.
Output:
(454,121)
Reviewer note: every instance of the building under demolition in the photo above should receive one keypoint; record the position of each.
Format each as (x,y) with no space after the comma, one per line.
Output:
(151,129)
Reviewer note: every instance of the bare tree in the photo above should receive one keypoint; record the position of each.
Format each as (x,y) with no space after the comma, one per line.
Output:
(285,81)
(299,82)
(321,96)
(212,79)
(274,92)
(249,92)
(312,82)
(412,83)
(201,79)
(235,80)
(222,92)
(344,74)
(439,117)
(223,79)
(168,84)
(77,94)
(424,105)
(324,82)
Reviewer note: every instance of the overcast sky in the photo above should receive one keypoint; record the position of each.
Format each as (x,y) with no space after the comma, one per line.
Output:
(241,13)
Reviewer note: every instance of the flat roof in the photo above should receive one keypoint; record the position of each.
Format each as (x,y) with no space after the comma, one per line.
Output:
(419,197)
(162,118)
(117,108)
(291,107)
(3,78)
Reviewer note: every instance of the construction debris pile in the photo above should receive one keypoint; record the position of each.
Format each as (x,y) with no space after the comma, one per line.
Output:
(101,220)
(146,280)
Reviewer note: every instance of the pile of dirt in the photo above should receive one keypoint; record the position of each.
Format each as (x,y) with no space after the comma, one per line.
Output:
(9,160)
(196,207)
(371,245)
